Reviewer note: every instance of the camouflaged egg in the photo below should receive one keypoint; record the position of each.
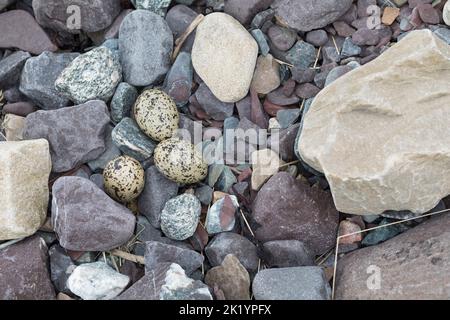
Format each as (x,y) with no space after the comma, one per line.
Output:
(124,179)
(179,161)
(156,114)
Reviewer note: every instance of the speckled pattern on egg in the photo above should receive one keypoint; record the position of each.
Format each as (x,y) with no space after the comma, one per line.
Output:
(124,179)
(179,161)
(156,114)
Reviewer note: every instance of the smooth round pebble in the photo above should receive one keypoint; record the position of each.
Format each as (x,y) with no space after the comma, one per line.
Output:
(179,161)
(156,114)
(180,217)
(124,179)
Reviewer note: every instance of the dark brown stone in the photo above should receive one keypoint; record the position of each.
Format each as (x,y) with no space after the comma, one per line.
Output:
(413,265)
(19,30)
(244,11)
(21,109)
(302,213)
(24,273)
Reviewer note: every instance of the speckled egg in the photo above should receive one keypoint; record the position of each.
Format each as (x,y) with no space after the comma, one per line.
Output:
(156,114)
(179,161)
(124,179)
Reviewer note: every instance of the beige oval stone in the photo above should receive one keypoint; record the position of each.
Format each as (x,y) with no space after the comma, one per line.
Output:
(224,56)
(267,75)
(380,133)
(24,171)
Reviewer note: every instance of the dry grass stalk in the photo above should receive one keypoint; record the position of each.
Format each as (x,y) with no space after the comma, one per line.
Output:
(246,223)
(180,41)
(128,256)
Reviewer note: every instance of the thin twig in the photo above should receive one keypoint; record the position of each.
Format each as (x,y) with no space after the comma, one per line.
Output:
(285,63)
(336,253)
(335,44)
(180,41)
(288,164)
(317,57)
(246,222)
(128,256)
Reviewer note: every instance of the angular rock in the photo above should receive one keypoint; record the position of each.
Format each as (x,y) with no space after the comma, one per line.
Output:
(232,243)
(412,266)
(24,171)
(78,200)
(306,15)
(156,6)
(261,18)
(91,76)
(132,141)
(10,68)
(13,127)
(265,163)
(123,101)
(299,283)
(215,108)
(19,30)
(179,18)
(305,214)
(38,79)
(71,144)
(224,56)
(221,215)
(231,277)
(282,38)
(157,191)
(167,282)
(21,109)
(61,267)
(58,15)
(317,37)
(178,83)
(380,120)
(97,281)
(112,32)
(5,3)
(267,75)
(145,45)
(111,152)
(157,253)
(287,253)
(302,55)
(180,217)
(25,273)
(261,39)
(244,11)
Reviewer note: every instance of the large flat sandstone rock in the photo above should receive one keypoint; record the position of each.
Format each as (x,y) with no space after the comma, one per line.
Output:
(380,133)
(413,265)
(24,170)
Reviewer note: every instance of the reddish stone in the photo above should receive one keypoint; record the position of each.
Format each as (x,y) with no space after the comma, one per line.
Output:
(21,109)
(257,113)
(428,14)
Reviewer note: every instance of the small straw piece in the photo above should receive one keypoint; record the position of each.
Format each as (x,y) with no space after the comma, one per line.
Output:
(246,222)
(128,256)
(285,63)
(335,45)
(180,41)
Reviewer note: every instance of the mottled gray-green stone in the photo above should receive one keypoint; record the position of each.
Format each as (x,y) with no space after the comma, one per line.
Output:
(156,6)
(123,101)
(91,76)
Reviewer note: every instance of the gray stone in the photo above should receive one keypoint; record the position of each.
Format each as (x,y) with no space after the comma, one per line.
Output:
(214,172)
(19,30)
(91,76)
(444,34)
(284,143)
(111,152)
(282,38)
(215,108)
(180,217)
(156,6)
(287,117)
(157,191)
(306,213)
(262,17)
(132,141)
(232,243)
(303,75)
(97,178)
(97,281)
(38,79)
(287,253)
(244,11)
(157,253)
(330,55)
(167,282)
(179,18)
(71,144)
(61,267)
(204,194)
(366,37)
(412,266)
(380,235)
(6,3)
(226,180)
(178,83)
(216,5)
(261,40)
(336,73)
(123,101)
(221,215)
(24,271)
(298,283)
(77,200)
(58,15)
(145,44)
(317,38)
(302,55)
(306,15)
(11,67)
(349,49)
